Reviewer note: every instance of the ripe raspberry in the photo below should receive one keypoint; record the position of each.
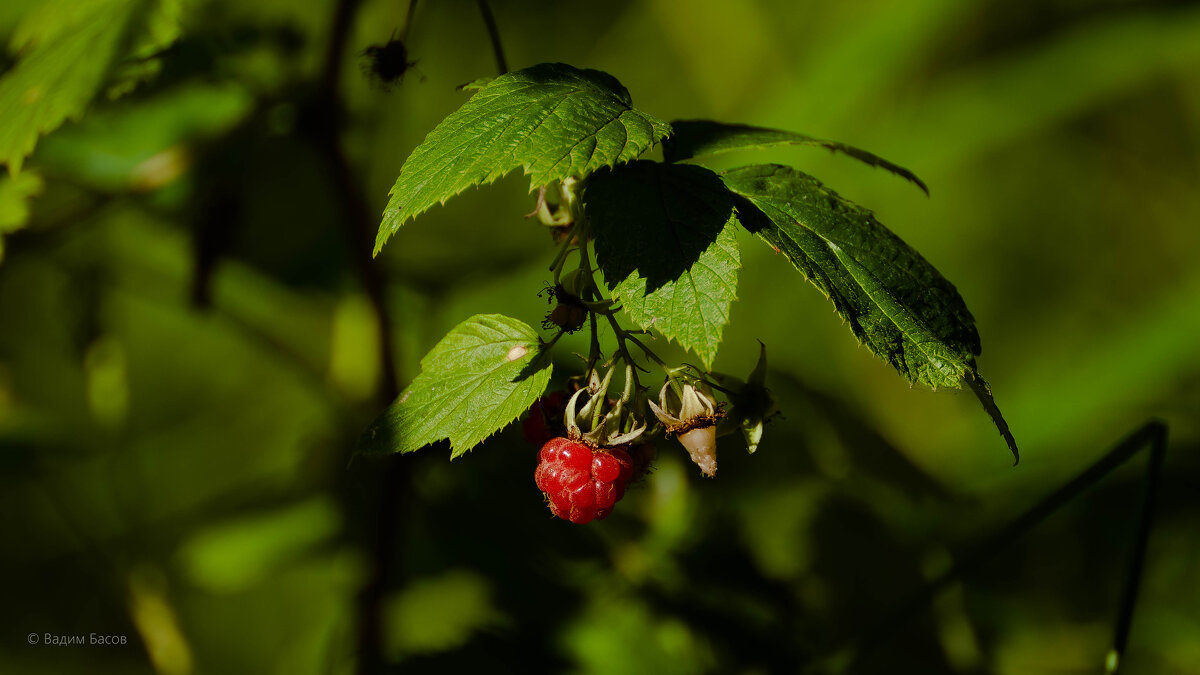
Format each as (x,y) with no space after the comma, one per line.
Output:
(580,483)
(545,419)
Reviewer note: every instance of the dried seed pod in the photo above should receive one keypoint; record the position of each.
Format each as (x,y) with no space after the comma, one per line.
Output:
(691,416)
(701,444)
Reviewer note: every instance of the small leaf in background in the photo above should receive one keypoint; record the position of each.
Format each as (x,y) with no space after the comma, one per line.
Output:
(694,138)
(118,148)
(160,28)
(236,554)
(65,51)
(484,373)
(15,193)
(666,243)
(553,120)
(435,614)
(895,302)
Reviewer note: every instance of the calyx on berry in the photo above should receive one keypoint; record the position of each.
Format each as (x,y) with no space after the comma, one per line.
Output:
(599,422)
(689,413)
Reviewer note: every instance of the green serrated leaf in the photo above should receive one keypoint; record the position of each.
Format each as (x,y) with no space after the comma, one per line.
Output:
(695,138)
(666,243)
(484,373)
(895,302)
(553,120)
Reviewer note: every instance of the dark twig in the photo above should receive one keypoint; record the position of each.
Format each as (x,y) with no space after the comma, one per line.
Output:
(1153,435)
(1137,560)
(359,222)
(382,500)
(408,19)
(494,34)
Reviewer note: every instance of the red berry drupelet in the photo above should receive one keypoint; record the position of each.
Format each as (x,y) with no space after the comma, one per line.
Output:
(582,484)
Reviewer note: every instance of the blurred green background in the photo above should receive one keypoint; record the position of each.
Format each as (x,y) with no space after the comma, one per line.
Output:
(188,353)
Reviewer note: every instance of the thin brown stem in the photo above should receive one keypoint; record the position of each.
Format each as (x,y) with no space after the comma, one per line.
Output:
(383,497)
(645,350)
(408,19)
(1152,435)
(494,35)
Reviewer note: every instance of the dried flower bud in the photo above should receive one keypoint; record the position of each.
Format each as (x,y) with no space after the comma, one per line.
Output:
(691,416)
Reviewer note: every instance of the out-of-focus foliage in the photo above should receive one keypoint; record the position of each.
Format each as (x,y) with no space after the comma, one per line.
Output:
(15,195)
(439,613)
(64,50)
(185,347)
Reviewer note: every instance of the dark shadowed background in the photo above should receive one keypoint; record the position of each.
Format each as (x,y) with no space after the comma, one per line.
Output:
(189,349)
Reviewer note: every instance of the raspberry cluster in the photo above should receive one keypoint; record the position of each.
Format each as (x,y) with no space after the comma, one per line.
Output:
(582,484)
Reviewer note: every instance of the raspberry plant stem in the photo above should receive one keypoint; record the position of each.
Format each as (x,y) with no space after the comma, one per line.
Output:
(590,296)
(494,35)
(560,258)
(1152,435)
(593,291)
(594,348)
(408,19)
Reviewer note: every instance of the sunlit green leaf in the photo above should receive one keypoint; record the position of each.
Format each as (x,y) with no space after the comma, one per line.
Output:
(694,138)
(484,373)
(894,301)
(666,243)
(553,120)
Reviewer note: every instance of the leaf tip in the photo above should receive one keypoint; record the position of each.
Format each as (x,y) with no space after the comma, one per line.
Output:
(380,240)
(984,393)
(915,180)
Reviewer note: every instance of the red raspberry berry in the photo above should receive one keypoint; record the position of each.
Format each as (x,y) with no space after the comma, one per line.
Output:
(580,483)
